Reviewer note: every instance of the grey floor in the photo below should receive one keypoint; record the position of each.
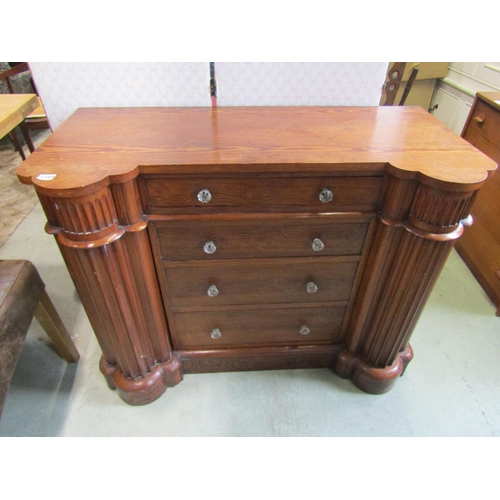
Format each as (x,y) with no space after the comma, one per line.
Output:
(451,388)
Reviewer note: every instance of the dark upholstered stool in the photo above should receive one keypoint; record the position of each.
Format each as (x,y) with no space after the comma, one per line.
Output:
(23,296)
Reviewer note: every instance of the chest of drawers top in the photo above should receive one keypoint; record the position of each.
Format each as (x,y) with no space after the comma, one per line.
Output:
(108,145)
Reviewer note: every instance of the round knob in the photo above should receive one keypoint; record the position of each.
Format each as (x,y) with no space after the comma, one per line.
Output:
(317,245)
(209,247)
(304,330)
(213,291)
(480,118)
(204,196)
(325,196)
(216,334)
(312,287)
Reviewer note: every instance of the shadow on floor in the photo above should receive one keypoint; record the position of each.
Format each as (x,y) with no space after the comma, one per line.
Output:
(39,393)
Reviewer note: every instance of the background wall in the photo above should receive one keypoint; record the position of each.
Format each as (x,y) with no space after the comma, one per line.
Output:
(64,87)
(455,93)
(299,84)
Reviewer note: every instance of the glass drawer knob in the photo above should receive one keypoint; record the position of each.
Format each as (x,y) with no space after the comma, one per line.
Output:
(325,196)
(312,287)
(213,291)
(209,247)
(304,330)
(204,196)
(216,334)
(317,245)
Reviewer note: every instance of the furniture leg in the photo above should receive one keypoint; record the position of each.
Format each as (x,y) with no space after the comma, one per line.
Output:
(17,144)
(27,138)
(50,321)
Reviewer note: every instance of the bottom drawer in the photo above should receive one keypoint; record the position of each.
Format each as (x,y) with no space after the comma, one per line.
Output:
(257,327)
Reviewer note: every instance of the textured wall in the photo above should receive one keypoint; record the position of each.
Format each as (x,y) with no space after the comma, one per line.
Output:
(64,87)
(300,84)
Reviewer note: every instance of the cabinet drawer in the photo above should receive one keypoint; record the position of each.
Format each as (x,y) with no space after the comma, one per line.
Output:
(486,122)
(259,237)
(166,194)
(251,282)
(478,141)
(223,329)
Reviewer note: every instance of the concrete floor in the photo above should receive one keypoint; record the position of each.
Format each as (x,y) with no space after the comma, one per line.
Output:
(451,388)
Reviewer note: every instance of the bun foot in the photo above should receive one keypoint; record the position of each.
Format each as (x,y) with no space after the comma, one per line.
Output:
(368,378)
(143,390)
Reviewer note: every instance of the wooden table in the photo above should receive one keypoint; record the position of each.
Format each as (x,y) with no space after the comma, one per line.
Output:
(14,108)
(223,239)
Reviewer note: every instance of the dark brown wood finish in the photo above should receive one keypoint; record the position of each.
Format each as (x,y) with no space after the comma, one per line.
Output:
(243,194)
(480,247)
(258,327)
(261,281)
(251,236)
(401,189)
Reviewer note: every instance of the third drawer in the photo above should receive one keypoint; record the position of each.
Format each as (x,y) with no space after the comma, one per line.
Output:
(271,281)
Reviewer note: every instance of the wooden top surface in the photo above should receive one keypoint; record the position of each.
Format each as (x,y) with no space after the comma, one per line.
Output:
(14,108)
(97,143)
(492,98)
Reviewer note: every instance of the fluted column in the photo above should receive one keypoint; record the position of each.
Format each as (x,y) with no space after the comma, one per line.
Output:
(102,238)
(415,233)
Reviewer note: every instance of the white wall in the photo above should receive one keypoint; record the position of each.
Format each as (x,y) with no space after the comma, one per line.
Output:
(455,93)
(300,84)
(64,87)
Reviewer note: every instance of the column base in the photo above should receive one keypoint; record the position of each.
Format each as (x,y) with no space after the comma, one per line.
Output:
(143,390)
(368,378)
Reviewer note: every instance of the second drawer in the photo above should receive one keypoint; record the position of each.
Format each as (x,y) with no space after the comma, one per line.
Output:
(276,281)
(258,237)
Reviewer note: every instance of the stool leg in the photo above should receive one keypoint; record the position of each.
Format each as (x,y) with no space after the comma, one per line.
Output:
(50,321)
(17,145)
(27,137)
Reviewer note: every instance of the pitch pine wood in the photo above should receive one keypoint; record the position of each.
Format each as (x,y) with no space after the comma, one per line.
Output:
(104,144)
(123,207)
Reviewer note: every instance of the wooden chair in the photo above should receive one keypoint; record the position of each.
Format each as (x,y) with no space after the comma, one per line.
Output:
(22,297)
(37,119)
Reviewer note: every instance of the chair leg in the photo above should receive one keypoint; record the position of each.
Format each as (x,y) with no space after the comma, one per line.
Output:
(17,144)
(27,138)
(50,321)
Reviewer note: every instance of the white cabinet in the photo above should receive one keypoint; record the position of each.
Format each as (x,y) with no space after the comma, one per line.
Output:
(455,93)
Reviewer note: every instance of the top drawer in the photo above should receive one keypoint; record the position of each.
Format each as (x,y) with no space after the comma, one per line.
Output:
(486,122)
(214,194)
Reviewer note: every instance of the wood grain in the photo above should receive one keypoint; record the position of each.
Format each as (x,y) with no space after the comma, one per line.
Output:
(105,144)
(164,194)
(238,238)
(122,171)
(271,327)
(269,281)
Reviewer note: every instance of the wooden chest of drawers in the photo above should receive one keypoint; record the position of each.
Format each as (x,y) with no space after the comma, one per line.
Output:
(480,246)
(254,238)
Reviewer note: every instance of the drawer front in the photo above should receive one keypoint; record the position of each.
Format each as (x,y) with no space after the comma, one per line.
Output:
(486,122)
(223,329)
(478,141)
(251,282)
(240,239)
(165,194)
